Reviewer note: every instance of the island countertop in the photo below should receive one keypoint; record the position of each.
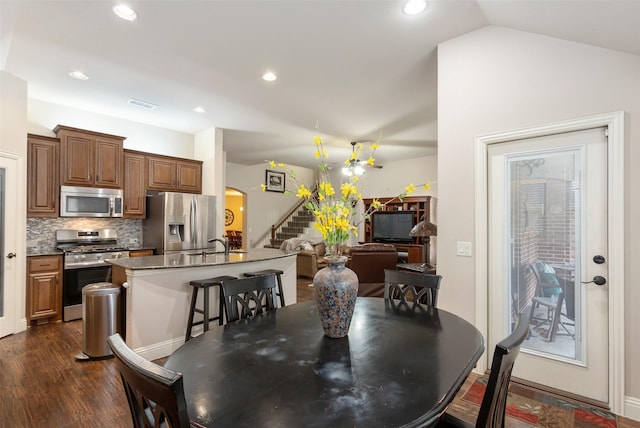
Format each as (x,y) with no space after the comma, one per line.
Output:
(157,291)
(195,259)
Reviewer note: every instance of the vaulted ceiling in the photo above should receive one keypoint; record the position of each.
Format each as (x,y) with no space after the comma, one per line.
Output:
(356,68)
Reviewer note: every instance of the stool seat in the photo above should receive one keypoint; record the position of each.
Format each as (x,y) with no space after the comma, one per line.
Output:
(205,284)
(277,273)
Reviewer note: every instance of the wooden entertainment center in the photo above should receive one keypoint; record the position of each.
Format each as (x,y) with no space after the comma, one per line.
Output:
(420,205)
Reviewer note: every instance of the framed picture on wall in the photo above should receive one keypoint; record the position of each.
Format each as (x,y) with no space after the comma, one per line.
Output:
(275,181)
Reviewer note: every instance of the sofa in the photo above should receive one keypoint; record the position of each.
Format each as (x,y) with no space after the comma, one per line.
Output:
(369,261)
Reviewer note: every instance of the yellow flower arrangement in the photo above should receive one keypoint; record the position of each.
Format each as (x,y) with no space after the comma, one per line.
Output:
(336,214)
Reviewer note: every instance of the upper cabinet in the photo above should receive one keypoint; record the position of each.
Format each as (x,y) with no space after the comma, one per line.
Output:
(189,176)
(42,176)
(90,158)
(161,173)
(134,185)
(171,174)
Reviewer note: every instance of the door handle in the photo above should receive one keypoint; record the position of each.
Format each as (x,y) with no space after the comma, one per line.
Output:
(11,255)
(597,280)
(598,259)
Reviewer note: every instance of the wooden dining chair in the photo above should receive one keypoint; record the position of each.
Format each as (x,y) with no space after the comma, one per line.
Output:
(155,394)
(248,296)
(417,287)
(494,401)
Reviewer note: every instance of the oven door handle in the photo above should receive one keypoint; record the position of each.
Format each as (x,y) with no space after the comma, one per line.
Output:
(91,264)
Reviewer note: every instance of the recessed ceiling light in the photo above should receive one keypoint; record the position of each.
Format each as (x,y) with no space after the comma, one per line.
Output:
(79,75)
(199,110)
(414,7)
(125,12)
(141,103)
(269,76)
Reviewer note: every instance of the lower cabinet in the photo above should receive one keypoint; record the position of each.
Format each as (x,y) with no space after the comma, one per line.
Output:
(140,253)
(44,289)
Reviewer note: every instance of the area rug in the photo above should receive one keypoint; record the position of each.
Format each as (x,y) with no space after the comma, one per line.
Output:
(528,407)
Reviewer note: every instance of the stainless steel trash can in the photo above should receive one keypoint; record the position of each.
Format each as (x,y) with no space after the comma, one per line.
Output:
(100,319)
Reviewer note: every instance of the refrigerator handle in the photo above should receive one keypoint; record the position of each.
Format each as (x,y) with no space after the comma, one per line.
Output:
(194,226)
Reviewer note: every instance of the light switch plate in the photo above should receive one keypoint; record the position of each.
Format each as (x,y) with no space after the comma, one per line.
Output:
(464,249)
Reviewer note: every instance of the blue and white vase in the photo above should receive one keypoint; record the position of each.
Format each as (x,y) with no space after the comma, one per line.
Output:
(336,289)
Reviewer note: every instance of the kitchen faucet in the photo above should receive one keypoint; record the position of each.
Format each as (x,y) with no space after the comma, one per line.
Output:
(224,242)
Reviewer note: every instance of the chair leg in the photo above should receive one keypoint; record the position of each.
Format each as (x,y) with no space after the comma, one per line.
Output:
(555,319)
(206,320)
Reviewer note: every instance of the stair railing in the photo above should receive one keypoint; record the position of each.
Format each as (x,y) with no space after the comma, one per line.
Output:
(276,227)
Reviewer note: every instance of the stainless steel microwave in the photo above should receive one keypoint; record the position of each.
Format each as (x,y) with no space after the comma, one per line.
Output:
(90,202)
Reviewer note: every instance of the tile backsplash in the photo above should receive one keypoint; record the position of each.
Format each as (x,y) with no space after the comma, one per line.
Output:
(41,232)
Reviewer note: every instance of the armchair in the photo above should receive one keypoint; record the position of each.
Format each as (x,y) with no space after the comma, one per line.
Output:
(309,261)
(369,261)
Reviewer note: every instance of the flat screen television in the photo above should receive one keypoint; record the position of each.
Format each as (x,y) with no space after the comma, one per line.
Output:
(392,226)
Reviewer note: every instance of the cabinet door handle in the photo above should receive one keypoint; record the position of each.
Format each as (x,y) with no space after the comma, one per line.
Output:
(11,255)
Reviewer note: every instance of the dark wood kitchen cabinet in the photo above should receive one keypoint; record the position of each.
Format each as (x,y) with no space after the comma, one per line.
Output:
(44,289)
(165,173)
(161,173)
(134,185)
(90,159)
(189,176)
(42,176)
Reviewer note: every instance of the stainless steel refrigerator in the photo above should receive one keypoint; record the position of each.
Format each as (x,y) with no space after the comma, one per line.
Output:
(179,222)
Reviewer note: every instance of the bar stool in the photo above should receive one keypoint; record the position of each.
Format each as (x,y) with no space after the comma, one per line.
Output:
(275,272)
(205,284)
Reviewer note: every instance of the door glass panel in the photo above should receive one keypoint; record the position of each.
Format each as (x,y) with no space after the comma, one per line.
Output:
(2,235)
(543,225)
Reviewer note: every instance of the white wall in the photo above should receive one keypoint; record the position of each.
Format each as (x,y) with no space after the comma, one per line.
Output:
(264,209)
(496,79)
(13,140)
(43,117)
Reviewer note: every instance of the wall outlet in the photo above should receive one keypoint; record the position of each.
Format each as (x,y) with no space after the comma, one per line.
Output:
(134,241)
(465,249)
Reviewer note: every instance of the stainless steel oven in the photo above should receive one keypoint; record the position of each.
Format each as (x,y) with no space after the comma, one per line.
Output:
(85,252)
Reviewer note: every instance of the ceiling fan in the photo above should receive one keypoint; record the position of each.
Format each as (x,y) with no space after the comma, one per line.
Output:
(355,165)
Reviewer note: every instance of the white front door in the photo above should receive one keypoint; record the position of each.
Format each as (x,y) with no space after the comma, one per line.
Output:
(548,236)
(8,242)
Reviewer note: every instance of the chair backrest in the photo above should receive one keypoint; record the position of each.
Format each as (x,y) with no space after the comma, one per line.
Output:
(155,394)
(494,402)
(420,288)
(248,296)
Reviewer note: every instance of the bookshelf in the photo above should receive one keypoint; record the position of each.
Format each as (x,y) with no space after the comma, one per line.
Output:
(420,205)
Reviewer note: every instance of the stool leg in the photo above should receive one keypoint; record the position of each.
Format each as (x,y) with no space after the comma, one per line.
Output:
(221,306)
(206,309)
(194,297)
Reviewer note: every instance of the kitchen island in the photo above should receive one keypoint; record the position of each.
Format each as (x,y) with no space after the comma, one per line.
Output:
(157,292)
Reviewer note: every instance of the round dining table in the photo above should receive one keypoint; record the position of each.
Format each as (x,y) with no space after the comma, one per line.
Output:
(400,365)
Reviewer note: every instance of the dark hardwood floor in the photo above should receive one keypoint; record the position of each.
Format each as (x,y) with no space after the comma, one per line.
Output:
(43,385)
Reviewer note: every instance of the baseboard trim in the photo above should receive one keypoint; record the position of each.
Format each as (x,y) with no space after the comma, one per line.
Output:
(632,408)
(21,325)
(160,349)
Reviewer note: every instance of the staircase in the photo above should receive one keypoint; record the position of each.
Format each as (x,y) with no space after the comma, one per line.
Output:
(299,224)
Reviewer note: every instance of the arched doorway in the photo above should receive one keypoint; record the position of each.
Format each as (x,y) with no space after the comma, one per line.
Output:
(234,218)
